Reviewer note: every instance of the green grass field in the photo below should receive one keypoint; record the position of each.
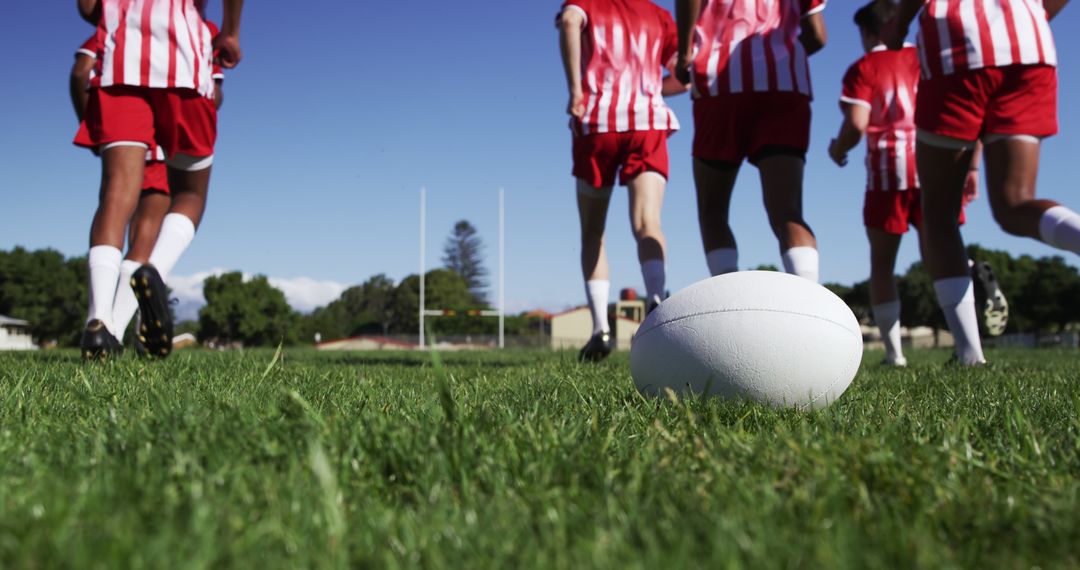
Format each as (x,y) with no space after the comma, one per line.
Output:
(528,460)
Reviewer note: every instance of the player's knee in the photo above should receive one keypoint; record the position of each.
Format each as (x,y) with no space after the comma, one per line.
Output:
(1008,218)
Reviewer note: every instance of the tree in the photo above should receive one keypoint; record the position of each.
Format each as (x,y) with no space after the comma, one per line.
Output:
(462,255)
(45,289)
(378,300)
(445,289)
(252,312)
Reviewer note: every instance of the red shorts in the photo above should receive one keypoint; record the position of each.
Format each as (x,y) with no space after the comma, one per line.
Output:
(1014,100)
(599,157)
(731,128)
(179,120)
(156,177)
(895,211)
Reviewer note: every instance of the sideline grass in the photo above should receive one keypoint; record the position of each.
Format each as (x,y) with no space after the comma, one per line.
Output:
(528,460)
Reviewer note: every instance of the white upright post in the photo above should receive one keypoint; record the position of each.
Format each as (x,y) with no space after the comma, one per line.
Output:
(502,268)
(423,261)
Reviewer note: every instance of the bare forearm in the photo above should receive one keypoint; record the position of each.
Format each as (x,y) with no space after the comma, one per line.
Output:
(570,46)
(814,34)
(1053,7)
(686,17)
(230,19)
(849,136)
(79,96)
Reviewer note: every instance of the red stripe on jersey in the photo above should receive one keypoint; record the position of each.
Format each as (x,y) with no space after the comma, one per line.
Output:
(985,40)
(1038,36)
(958,49)
(1010,25)
(147,36)
(172,45)
(121,43)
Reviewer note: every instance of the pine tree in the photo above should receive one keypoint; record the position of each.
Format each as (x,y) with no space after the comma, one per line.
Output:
(462,254)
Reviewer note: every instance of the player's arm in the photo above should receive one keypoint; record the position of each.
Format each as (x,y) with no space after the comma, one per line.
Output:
(687,13)
(896,31)
(80,79)
(227,43)
(856,119)
(971,183)
(814,34)
(88,9)
(1053,7)
(219,94)
(571,24)
(672,84)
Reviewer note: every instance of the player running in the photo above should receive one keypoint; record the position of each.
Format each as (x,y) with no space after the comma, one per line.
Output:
(614,53)
(154,200)
(878,101)
(747,61)
(154,89)
(988,73)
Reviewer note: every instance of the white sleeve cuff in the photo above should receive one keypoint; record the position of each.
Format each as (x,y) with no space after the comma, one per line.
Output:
(579,11)
(854,101)
(817,10)
(85,52)
(218,76)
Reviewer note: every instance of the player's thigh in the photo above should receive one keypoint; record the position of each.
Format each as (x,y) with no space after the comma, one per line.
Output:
(782,184)
(942,171)
(646,193)
(592,204)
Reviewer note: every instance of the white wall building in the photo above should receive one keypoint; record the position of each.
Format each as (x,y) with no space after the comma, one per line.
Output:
(15,334)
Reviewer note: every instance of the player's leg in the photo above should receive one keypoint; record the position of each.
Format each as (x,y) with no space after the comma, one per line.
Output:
(884,296)
(122,167)
(1012,166)
(593,205)
(186,124)
(646,201)
(645,172)
(592,213)
(142,233)
(782,188)
(780,137)
(715,184)
(942,171)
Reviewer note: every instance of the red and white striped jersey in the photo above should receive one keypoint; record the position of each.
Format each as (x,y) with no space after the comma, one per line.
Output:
(163,44)
(744,46)
(886,82)
(960,35)
(625,46)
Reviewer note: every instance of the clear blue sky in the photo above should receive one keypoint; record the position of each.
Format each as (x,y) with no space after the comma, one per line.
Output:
(337,117)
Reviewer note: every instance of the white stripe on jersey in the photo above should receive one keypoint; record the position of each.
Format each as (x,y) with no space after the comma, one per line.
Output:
(942,7)
(159,74)
(974,44)
(901,155)
(780,53)
(761,66)
(1000,33)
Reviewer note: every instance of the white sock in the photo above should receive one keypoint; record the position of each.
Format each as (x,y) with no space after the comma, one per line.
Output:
(597,292)
(176,234)
(125,304)
(653,273)
(723,260)
(1060,227)
(956,296)
(803,261)
(104,265)
(887,317)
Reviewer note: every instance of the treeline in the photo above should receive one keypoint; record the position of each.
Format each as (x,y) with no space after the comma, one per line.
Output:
(1043,293)
(50,291)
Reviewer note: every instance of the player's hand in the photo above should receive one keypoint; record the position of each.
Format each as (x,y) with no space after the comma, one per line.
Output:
(838,156)
(971,187)
(682,70)
(576,107)
(228,50)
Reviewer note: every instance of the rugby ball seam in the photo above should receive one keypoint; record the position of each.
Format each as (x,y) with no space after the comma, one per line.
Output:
(722,311)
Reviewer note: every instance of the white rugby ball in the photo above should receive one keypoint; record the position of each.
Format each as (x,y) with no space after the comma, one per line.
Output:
(759,335)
